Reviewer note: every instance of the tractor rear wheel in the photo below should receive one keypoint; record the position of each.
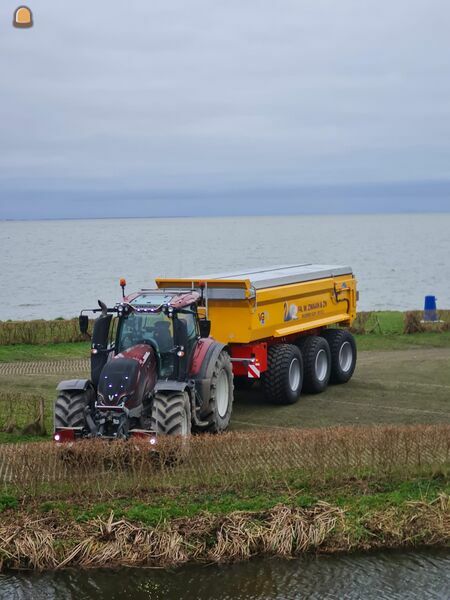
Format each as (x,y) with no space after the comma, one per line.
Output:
(171,413)
(317,360)
(220,404)
(343,354)
(70,408)
(282,382)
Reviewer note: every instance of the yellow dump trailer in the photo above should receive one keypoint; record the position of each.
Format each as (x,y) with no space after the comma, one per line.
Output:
(280,324)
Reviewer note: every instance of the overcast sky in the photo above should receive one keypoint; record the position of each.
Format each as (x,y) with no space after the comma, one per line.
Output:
(152,107)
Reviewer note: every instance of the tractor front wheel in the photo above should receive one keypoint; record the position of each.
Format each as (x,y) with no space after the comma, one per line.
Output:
(70,407)
(171,413)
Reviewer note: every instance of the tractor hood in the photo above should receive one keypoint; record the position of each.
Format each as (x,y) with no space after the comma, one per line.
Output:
(123,376)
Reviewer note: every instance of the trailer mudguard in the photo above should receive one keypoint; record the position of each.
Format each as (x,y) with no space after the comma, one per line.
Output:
(73,384)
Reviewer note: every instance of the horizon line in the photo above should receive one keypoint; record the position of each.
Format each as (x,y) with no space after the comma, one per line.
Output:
(231,216)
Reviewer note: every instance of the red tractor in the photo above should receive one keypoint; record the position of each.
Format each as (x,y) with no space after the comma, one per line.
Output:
(154,370)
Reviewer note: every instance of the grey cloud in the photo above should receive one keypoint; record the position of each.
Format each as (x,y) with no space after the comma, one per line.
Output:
(212,96)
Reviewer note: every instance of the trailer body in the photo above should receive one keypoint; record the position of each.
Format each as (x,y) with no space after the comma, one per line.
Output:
(250,311)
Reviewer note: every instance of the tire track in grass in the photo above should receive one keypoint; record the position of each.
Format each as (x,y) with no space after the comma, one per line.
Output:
(80,365)
(400,409)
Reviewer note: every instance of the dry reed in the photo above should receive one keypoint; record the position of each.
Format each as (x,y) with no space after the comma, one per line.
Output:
(55,543)
(22,412)
(40,332)
(253,458)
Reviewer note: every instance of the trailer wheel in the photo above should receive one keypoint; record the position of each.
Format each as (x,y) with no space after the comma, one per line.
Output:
(317,360)
(220,405)
(171,413)
(70,408)
(282,382)
(343,354)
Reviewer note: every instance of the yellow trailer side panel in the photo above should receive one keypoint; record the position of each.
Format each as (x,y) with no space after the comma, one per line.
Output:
(245,310)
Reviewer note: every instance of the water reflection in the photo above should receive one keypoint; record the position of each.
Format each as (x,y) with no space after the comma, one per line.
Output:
(392,576)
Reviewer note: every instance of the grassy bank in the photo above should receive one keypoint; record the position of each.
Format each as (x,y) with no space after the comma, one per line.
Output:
(224,498)
(166,527)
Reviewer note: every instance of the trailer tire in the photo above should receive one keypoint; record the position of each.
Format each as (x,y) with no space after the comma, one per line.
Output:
(317,363)
(283,381)
(70,407)
(171,413)
(343,354)
(220,403)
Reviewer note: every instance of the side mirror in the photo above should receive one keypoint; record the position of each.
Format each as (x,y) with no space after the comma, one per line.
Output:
(205,328)
(83,321)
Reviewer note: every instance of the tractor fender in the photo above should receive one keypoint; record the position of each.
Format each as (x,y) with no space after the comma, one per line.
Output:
(209,361)
(170,385)
(203,378)
(74,384)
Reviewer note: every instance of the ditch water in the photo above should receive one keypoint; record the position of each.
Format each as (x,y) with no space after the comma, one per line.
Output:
(394,576)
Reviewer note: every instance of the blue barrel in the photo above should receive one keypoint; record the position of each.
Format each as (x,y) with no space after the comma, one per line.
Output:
(430,312)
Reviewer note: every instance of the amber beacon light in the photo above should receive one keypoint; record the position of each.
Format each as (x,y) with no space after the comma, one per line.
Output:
(23,17)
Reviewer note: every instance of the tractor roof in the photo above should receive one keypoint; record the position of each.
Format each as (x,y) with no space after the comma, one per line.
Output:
(155,299)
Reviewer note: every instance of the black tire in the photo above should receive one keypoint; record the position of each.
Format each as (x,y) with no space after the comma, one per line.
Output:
(280,383)
(343,354)
(218,411)
(171,413)
(243,383)
(70,407)
(315,351)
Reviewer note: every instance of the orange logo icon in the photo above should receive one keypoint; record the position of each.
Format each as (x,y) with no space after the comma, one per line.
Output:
(23,17)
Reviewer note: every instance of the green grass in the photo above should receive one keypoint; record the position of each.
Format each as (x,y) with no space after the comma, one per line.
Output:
(386,322)
(207,525)
(8,502)
(356,498)
(32,352)
(397,341)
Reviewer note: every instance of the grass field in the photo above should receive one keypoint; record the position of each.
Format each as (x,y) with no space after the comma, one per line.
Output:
(399,379)
(402,386)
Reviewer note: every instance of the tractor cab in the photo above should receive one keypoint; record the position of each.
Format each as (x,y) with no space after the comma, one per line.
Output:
(152,319)
(167,323)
